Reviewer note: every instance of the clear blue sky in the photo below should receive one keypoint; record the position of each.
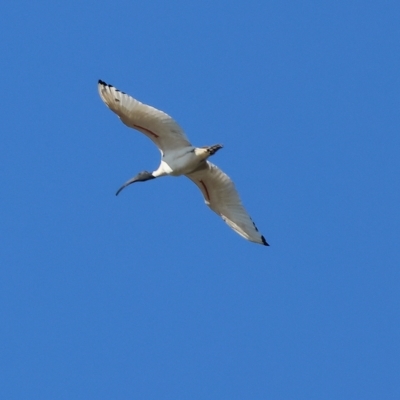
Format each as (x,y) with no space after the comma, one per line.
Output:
(149,295)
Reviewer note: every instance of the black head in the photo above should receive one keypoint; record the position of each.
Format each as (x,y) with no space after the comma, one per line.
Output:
(140,177)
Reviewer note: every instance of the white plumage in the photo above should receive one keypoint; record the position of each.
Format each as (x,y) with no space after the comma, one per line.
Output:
(179,157)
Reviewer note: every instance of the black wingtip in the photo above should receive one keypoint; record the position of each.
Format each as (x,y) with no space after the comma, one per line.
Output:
(264,241)
(104,83)
(110,86)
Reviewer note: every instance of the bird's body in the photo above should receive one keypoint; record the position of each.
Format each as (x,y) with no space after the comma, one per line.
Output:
(179,157)
(181,162)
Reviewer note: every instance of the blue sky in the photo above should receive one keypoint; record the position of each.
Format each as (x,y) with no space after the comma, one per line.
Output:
(150,295)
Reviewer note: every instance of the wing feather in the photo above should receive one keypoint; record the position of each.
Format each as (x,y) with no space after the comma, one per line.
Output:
(155,124)
(222,197)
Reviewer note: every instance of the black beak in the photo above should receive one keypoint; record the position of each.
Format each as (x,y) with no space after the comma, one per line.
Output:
(141,177)
(132,180)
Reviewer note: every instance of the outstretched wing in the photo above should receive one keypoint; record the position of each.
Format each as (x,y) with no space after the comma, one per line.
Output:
(155,124)
(222,197)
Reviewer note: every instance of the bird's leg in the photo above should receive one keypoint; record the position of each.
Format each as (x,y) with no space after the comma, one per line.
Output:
(206,151)
(213,149)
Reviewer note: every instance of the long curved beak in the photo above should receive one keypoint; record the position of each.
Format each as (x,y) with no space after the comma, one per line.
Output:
(127,183)
(140,177)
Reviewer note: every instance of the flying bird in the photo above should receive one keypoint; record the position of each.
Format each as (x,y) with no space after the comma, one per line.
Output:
(179,157)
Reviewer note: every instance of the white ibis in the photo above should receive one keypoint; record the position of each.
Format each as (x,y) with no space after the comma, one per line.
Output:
(179,157)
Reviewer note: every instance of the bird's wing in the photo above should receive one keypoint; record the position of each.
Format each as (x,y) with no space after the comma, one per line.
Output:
(222,197)
(155,124)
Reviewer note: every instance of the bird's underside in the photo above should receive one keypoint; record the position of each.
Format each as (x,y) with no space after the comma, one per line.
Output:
(179,157)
